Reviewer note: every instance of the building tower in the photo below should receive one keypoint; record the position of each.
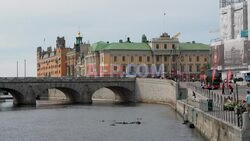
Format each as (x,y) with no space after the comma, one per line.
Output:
(78,42)
(60,42)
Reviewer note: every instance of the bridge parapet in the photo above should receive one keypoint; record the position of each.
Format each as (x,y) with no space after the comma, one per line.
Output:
(62,79)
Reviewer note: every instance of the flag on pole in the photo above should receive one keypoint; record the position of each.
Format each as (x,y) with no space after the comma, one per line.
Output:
(229,76)
(213,74)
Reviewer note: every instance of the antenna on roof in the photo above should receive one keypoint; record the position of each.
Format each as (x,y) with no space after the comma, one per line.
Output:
(44,41)
(164,21)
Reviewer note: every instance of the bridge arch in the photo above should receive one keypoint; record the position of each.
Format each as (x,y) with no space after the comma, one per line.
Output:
(71,94)
(18,97)
(125,94)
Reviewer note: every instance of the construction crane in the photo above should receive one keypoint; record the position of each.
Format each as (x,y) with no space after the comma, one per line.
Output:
(176,35)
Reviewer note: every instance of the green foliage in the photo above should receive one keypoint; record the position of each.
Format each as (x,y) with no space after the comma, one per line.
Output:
(144,39)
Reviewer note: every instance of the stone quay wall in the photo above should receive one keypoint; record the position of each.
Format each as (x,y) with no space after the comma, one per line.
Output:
(212,128)
(160,91)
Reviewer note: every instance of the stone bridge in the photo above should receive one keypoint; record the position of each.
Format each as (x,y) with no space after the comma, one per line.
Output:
(77,90)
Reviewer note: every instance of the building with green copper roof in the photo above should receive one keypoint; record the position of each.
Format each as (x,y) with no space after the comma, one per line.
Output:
(194,46)
(190,59)
(101,46)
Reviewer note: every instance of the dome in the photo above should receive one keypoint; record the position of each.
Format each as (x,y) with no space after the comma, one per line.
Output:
(78,34)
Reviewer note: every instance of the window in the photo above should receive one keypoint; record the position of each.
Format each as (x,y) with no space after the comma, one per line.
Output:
(140,58)
(157,58)
(165,46)
(190,59)
(197,58)
(141,69)
(124,68)
(165,58)
(173,46)
(123,58)
(165,68)
(205,59)
(132,70)
(182,68)
(198,68)
(115,68)
(148,59)
(157,46)
(174,58)
(115,58)
(190,68)
(132,58)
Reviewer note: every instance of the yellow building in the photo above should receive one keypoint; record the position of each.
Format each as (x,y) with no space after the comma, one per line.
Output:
(111,59)
(163,55)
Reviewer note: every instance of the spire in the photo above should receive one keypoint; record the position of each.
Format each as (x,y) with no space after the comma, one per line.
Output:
(78,38)
(78,34)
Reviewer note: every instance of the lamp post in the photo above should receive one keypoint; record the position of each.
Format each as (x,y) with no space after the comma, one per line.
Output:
(24,68)
(17,69)
(237,94)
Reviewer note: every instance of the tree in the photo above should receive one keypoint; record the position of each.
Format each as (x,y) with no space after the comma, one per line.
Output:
(144,39)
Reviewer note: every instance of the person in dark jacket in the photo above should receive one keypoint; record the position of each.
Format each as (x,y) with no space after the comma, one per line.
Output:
(231,89)
(223,88)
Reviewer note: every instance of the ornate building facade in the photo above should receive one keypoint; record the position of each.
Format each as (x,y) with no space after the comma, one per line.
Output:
(62,61)
(75,61)
(174,59)
(52,63)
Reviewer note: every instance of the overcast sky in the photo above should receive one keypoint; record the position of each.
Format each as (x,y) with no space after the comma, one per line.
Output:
(25,23)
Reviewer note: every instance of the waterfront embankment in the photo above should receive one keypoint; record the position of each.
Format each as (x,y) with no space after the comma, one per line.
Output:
(162,91)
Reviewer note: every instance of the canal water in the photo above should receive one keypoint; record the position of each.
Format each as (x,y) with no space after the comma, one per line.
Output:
(97,122)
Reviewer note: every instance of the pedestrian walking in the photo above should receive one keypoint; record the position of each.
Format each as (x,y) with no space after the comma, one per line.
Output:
(231,89)
(223,88)
(194,95)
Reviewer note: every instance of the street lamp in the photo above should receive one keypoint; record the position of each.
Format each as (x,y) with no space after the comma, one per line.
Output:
(24,68)
(17,69)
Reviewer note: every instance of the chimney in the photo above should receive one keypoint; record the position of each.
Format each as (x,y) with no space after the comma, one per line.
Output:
(120,41)
(39,49)
(49,49)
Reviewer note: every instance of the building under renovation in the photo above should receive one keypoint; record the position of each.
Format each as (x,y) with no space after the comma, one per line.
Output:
(232,50)
(225,3)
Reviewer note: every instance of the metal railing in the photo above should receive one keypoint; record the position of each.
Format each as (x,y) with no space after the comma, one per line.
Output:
(217,110)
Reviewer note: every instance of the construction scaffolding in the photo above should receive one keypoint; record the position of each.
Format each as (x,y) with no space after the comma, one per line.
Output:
(224,3)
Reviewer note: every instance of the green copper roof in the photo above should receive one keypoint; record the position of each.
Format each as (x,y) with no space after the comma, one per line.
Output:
(99,46)
(194,46)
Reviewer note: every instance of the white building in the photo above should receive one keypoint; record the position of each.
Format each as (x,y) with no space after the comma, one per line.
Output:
(232,51)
